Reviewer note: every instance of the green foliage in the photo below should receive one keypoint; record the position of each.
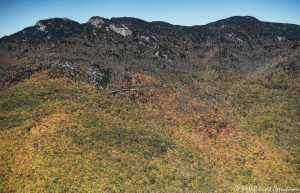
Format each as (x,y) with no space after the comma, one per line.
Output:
(59,136)
(263,108)
(68,137)
(8,121)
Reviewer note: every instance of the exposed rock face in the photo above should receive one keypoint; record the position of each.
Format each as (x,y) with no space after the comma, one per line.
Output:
(124,31)
(237,44)
(96,21)
(40,26)
(145,38)
(87,73)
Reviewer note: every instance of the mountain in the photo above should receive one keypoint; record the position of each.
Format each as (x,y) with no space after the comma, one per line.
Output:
(238,44)
(126,105)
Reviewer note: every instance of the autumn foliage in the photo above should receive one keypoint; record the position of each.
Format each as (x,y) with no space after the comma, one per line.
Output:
(61,136)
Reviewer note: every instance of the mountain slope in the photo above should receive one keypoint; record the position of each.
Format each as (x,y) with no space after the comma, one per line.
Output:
(125,105)
(65,136)
(238,44)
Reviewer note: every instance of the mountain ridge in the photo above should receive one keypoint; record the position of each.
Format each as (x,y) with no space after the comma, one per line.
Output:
(141,20)
(124,105)
(239,44)
(233,20)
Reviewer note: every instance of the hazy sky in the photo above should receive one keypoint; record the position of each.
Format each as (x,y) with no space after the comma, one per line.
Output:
(18,14)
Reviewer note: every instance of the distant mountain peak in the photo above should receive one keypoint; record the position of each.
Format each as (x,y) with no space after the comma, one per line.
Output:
(40,26)
(55,20)
(97,21)
(239,43)
(238,20)
(247,17)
